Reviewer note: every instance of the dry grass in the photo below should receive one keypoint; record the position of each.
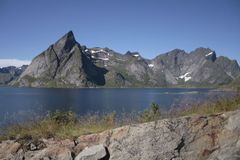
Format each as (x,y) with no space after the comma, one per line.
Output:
(62,125)
(221,105)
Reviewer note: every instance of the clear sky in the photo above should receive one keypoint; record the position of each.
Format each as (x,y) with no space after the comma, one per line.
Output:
(28,27)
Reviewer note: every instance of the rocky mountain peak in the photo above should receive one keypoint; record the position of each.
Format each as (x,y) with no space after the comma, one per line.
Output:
(134,54)
(205,53)
(211,56)
(202,51)
(65,43)
(176,51)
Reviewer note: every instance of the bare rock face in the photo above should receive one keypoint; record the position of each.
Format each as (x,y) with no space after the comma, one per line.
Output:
(214,137)
(63,64)
(9,149)
(199,67)
(187,138)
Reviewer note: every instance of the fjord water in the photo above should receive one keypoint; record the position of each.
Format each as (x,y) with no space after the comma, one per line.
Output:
(21,103)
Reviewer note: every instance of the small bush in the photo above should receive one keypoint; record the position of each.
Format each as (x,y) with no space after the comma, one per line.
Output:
(61,117)
(151,114)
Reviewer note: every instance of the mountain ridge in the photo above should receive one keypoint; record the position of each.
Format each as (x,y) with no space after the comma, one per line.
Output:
(10,74)
(66,63)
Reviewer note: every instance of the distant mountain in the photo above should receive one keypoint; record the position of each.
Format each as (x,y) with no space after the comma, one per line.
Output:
(69,64)
(235,84)
(11,73)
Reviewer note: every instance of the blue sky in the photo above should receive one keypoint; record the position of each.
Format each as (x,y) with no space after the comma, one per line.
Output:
(149,26)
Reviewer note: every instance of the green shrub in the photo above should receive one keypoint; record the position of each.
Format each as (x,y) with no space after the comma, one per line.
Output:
(151,114)
(62,117)
(29,78)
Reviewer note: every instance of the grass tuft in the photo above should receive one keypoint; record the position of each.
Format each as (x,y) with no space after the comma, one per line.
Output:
(151,114)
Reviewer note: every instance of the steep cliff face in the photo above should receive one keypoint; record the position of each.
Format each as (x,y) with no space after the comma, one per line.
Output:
(214,137)
(68,64)
(63,64)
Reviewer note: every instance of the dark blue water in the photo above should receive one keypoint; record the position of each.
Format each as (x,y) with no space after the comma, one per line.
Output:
(19,103)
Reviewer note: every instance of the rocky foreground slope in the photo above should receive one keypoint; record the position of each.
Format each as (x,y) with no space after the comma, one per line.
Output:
(215,137)
(66,63)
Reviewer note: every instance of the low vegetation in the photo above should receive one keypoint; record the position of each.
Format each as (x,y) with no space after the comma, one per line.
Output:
(30,79)
(221,105)
(62,125)
(151,114)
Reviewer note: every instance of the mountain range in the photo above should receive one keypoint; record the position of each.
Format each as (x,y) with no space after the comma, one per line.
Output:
(67,63)
(10,74)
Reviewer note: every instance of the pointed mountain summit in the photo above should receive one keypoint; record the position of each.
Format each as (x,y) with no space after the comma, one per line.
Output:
(65,43)
(63,64)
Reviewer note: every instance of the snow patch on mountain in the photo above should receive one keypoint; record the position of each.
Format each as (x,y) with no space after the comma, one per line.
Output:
(150,65)
(209,54)
(186,77)
(99,51)
(136,55)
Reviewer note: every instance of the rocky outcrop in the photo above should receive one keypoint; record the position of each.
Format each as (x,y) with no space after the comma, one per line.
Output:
(66,63)
(187,138)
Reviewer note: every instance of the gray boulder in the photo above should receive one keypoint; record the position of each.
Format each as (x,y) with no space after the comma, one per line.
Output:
(93,153)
